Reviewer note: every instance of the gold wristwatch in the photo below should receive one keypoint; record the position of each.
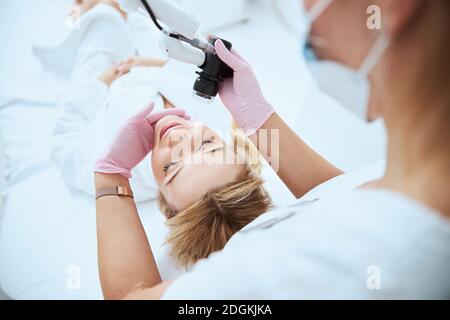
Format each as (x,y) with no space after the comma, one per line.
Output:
(119,191)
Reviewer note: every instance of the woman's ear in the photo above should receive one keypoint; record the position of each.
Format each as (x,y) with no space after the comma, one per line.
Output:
(398,14)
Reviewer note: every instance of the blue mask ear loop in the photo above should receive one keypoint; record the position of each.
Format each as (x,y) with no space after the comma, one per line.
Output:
(318,8)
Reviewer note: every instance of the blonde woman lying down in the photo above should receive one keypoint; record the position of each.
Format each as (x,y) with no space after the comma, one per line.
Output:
(205,202)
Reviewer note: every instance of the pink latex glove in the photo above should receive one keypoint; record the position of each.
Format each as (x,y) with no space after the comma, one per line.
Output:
(133,142)
(242,94)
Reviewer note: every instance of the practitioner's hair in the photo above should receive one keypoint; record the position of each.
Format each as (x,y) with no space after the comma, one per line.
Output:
(207,225)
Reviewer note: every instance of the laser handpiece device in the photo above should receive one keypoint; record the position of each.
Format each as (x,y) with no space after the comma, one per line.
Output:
(180,41)
(195,41)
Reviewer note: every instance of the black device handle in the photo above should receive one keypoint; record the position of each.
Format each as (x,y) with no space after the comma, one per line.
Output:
(215,67)
(213,70)
(225,70)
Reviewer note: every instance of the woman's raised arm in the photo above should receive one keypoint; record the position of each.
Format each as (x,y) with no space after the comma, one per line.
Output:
(126,263)
(125,259)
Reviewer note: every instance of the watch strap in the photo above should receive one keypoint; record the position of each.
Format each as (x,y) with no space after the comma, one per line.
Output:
(114,191)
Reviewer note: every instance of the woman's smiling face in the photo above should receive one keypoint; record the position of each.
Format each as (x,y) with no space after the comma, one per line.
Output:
(190,159)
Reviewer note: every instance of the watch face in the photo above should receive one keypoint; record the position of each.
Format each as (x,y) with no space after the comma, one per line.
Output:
(124,191)
(121,190)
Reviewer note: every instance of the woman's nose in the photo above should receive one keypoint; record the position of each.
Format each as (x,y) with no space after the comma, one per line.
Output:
(180,138)
(185,137)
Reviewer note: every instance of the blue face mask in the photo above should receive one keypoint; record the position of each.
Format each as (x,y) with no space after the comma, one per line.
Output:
(351,88)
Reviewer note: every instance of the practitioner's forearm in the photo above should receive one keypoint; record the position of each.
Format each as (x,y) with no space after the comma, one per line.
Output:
(126,262)
(297,165)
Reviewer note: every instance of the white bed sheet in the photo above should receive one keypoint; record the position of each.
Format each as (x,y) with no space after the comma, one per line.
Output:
(63,229)
(59,240)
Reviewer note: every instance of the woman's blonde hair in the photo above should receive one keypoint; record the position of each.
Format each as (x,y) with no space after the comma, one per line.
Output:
(207,225)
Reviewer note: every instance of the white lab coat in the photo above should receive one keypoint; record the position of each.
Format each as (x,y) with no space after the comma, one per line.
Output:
(337,242)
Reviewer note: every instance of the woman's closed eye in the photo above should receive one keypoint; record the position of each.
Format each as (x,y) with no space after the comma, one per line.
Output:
(214,146)
(207,141)
(167,166)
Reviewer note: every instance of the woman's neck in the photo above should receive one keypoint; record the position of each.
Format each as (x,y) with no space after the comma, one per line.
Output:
(418,158)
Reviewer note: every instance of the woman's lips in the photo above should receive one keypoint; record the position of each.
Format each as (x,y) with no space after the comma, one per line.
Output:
(169,126)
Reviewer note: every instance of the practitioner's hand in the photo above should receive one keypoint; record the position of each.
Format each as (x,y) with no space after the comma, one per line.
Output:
(133,142)
(242,94)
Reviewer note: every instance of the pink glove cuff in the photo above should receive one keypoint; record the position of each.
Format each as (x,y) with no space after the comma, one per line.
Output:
(258,119)
(102,166)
